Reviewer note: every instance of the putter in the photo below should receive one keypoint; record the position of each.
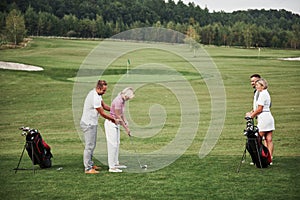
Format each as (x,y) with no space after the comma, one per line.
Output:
(141,166)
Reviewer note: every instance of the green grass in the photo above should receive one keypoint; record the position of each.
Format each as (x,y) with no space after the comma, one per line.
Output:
(43,100)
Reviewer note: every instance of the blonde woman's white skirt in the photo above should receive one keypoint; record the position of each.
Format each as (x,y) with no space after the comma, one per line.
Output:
(265,122)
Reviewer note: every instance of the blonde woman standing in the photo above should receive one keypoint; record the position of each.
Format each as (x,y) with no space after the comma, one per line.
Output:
(112,130)
(265,120)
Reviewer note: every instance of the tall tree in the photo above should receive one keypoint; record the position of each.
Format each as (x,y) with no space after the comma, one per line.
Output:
(192,39)
(31,19)
(247,34)
(294,36)
(15,27)
(70,25)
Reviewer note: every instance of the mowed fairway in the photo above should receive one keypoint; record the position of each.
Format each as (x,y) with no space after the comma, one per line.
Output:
(43,100)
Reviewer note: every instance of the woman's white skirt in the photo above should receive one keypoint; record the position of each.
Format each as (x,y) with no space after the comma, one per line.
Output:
(265,122)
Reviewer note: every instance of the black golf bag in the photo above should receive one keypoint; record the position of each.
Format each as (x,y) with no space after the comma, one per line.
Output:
(259,153)
(38,150)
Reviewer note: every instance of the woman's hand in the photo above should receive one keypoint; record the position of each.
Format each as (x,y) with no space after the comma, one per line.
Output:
(117,121)
(248,114)
(128,132)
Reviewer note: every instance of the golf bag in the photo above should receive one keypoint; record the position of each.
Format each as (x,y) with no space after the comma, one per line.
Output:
(38,150)
(259,153)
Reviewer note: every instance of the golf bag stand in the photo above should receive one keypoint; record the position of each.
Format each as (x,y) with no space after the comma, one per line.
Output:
(37,149)
(243,159)
(245,151)
(259,153)
(26,144)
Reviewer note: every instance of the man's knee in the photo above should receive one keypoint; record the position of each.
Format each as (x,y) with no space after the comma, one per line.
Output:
(89,146)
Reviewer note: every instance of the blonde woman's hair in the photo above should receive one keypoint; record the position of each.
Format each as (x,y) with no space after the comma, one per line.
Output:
(128,92)
(263,83)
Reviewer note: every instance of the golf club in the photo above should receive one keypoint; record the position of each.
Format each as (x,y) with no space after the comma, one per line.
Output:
(141,166)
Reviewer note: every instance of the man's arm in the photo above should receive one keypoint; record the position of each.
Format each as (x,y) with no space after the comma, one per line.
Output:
(105,106)
(104,115)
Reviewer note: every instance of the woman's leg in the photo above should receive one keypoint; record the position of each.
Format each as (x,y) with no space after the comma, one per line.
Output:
(269,142)
(118,147)
(111,139)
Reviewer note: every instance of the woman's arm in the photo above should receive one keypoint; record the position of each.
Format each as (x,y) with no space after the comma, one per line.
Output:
(120,117)
(256,112)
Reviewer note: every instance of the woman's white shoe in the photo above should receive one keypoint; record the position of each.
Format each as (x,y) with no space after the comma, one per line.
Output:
(114,170)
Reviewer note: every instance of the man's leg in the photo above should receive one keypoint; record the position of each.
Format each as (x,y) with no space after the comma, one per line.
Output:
(90,136)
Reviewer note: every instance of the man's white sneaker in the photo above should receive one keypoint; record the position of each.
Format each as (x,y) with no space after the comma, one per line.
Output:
(114,170)
(121,166)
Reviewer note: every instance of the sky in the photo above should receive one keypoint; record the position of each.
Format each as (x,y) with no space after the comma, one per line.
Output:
(234,5)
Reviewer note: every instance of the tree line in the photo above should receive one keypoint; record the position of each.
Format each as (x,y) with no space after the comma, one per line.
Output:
(105,18)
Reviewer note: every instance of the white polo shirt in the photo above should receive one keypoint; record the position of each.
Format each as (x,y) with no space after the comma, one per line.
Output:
(92,101)
(255,98)
(264,100)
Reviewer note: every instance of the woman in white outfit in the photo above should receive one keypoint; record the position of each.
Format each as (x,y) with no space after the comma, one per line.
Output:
(265,120)
(112,130)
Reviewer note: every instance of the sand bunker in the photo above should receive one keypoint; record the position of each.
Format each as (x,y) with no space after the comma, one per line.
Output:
(290,59)
(18,66)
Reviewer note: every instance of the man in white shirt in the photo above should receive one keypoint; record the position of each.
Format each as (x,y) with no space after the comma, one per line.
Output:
(93,107)
(253,79)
